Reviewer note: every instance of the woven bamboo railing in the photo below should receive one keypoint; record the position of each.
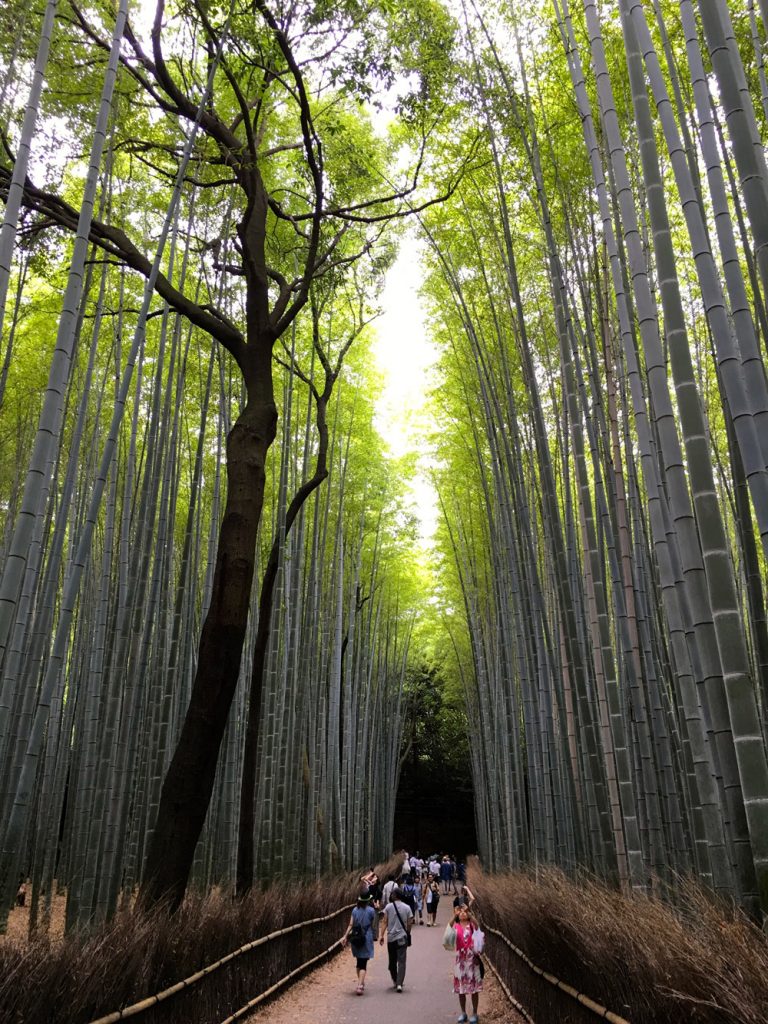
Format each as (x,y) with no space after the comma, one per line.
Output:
(586,1001)
(153,1001)
(238,1014)
(505,989)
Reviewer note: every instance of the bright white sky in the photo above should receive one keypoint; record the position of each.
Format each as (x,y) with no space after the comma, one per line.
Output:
(405,356)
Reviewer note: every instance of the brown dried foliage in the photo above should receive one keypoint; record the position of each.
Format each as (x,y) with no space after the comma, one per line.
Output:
(646,959)
(81,977)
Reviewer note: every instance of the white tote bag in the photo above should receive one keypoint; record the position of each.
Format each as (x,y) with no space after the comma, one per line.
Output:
(478,940)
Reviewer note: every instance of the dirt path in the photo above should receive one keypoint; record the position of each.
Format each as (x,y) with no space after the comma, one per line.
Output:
(327,996)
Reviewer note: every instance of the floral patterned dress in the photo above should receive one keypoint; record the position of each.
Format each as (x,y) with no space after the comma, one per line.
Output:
(466,970)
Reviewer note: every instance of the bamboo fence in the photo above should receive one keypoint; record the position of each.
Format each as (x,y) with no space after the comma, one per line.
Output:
(227,992)
(504,967)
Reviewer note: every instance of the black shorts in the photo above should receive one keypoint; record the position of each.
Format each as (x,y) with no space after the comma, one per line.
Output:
(361,963)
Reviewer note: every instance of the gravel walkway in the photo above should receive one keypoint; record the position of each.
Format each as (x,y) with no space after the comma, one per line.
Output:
(327,996)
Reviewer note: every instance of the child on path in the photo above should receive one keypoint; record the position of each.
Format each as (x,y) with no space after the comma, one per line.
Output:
(467,977)
(360,935)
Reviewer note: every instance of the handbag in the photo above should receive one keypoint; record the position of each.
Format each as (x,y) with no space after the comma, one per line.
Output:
(449,938)
(478,940)
(407,933)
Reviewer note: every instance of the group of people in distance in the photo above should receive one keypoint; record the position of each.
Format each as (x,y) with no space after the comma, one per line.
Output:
(388,912)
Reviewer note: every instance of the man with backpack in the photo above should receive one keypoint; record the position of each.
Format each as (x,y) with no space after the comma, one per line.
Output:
(409,891)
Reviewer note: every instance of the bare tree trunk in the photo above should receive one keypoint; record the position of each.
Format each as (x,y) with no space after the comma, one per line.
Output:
(189,781)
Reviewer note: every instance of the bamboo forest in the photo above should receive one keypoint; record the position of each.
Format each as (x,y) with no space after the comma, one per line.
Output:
(234,660)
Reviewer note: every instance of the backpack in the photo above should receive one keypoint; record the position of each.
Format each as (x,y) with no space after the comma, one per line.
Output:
(357,933)
(409,895)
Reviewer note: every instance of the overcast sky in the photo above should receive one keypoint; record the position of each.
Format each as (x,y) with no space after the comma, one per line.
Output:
(405,357)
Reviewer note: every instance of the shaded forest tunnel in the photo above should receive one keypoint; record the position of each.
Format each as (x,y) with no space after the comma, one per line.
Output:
(434,809)
(260,622)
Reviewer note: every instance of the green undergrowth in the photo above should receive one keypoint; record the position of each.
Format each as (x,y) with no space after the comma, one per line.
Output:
(699,960)
(82,977)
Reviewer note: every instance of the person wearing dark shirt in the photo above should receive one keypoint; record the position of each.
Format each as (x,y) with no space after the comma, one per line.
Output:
(464,898)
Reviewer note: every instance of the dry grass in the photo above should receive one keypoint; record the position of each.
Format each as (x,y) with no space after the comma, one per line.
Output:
(78,978)
(699,961)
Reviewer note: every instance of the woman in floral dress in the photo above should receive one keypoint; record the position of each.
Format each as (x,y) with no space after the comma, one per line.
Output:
(467,980)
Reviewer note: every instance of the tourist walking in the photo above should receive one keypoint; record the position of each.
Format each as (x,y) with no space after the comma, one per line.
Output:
(396,922)
(409,890)
(464,897)
(365,878)
(467,967)
(374,888)
(389,887)
(418,894)
(431,898)
(445,874)
(360,935)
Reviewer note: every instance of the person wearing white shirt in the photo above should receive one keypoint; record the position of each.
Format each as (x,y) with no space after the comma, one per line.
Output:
(396,923)
(386,892)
